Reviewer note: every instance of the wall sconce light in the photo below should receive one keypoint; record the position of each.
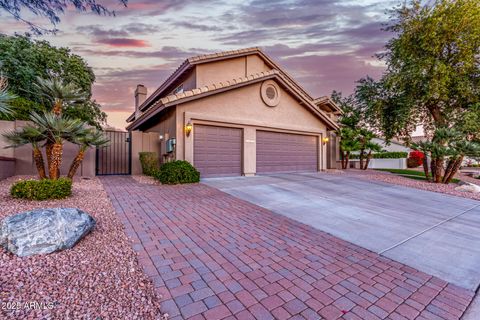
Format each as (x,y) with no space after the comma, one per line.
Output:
(325,140)
(160,137)
(188,128)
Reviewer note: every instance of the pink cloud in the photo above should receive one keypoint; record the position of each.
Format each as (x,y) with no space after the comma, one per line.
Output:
(123,42)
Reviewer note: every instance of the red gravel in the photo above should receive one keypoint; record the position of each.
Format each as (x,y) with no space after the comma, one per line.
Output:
(412,183)
(99,278)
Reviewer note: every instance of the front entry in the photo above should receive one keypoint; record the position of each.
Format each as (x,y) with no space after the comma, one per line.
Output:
(217,151)
(286,152)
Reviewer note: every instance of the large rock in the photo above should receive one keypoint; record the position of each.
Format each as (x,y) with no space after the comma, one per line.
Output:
(44,230)
(468,187)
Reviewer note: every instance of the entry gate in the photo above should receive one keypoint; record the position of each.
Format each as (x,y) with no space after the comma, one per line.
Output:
(116,157)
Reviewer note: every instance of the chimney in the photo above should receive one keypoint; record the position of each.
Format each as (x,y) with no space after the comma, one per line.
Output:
(140,97)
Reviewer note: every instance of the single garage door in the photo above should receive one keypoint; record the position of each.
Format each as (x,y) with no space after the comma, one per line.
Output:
(217,151)
(286,152)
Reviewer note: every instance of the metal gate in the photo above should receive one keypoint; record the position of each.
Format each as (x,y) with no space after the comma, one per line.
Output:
(115,158)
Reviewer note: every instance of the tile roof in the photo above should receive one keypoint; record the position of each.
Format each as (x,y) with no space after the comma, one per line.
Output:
(190,62)
(196,93)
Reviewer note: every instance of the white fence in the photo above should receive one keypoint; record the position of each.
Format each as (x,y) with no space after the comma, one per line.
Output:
(383,163)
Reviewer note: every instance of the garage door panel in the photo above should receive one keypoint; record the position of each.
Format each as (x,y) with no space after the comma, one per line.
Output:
(217,151)
(284,152)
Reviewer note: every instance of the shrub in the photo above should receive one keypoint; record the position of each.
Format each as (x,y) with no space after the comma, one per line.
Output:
(149,162)
(384,155)
(415,159)
(176,172)
(42,189)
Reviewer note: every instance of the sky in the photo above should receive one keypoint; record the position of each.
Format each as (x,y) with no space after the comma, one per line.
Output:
(324,45)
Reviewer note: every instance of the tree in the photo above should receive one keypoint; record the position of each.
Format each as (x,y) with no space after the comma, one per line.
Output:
(51,9)
(348,144)
(56,129)
(25,60)
(432,77)
(89,138)
(354,136)
(5,98)
(29,135)
(367,147)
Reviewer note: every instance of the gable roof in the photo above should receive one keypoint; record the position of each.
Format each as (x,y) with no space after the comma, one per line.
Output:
(189,63)
(205,91)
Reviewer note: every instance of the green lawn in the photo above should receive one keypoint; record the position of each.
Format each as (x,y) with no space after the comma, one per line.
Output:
(404,171)
(411,174)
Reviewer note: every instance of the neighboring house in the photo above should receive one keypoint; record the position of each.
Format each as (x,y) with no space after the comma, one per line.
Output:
(392,146)
(236,113)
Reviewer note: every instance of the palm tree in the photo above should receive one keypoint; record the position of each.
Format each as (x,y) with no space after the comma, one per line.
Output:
(348,143)
(5,97)
(371,147)
(89,138)
(56,130)
(29,135)
(60,93)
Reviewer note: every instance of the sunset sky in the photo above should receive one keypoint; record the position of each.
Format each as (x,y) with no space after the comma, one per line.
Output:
(325,45)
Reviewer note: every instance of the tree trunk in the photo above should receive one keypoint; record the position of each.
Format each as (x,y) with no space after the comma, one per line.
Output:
(48,151)
(369,157)
(57,152)
(433,168)
(439,170)
(448,169)
(57,107)
(76,163)
(347,158)
(425,169)
(362,154)
(454,170)
(38,159)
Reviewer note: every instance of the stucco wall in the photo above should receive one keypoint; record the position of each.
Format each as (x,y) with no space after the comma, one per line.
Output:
(244,108)
(4,127)
(7,167)
(215,72)
(143,142)
(167,128)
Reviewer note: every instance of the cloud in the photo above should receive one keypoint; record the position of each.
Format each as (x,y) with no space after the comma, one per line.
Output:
(196,26)
(123,42)
(174,54)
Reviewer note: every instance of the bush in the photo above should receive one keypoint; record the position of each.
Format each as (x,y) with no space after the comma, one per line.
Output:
(176,172)
(384,155)
(42,189)
(149,162)
(415,159)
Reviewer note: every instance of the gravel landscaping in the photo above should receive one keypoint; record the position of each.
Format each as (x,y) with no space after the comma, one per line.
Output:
(99,278)
(418,184)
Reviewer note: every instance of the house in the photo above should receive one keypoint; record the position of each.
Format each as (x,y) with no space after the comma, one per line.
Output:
(236,113)
(393,145)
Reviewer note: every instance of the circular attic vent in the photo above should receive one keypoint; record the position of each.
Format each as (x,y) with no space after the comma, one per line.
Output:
(270,93)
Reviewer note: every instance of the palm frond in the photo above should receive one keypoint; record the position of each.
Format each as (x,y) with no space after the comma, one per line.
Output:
(5,98)
(55,89)
(57,127)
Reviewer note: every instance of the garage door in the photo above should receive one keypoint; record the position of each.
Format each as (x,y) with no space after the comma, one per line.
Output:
(217,151)
(286,152)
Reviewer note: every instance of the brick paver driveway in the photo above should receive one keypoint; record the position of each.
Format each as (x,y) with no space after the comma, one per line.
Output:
(213,256)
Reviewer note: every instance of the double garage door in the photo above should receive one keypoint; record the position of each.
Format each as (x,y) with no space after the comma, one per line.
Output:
(217,151)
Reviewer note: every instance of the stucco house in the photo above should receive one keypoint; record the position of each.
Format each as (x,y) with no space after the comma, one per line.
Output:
(237,113)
